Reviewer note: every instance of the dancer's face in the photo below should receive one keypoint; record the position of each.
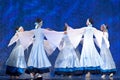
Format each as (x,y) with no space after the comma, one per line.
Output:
(102,28)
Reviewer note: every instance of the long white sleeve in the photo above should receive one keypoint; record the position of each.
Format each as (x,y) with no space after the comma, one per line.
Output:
(13,39)
(26,38)
(98,37)
(75,36)
(53,37)
(49,48)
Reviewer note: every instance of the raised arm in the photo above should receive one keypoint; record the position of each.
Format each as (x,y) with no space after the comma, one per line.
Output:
(75,36)
(13,39)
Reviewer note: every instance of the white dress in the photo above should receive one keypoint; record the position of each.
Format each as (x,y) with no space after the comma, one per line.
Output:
(16,62)
(38,58)
(67,60)
(90,59)
(17,58)
(109,64)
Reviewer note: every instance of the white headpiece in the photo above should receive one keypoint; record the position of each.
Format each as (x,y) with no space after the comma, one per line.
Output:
(19,29)
(38,24)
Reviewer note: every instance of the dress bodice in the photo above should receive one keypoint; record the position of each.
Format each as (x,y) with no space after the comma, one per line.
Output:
(39,34)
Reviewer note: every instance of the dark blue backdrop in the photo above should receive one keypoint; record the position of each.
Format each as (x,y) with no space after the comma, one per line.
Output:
(54,14)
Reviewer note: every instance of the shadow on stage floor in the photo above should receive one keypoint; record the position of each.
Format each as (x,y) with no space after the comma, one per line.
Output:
(51,76)
(93,77)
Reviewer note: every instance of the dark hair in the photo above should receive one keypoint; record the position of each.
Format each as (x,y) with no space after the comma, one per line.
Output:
(65,28)
(38,20)
(17,28)
(106,26)
(90,20)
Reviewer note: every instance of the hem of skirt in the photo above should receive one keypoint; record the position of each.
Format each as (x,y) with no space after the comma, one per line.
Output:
(14,71)
(108,71)
(93,70)
(67,71)
(32,69)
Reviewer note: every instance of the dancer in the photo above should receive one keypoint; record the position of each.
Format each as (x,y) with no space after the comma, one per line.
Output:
(38,61)
(109,64)
(90,59)
(67,61)
(16,62)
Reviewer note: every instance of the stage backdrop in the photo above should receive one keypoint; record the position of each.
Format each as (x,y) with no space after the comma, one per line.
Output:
(54,14)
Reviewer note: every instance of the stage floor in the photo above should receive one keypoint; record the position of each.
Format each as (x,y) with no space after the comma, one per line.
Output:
(82,77)
(93,77)
(51,76)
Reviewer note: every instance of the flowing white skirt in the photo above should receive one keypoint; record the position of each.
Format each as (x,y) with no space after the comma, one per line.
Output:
(109,64)
(38,57)
(90,57)
(67,58)
(17,58)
